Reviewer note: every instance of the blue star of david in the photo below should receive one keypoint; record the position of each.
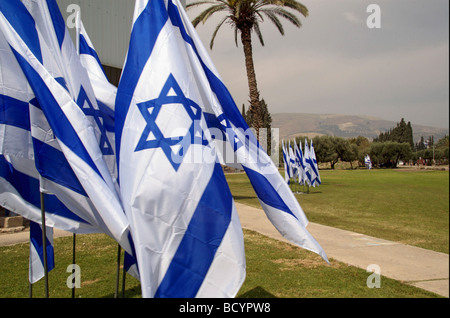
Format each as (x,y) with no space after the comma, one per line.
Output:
(171,93)
(104,143)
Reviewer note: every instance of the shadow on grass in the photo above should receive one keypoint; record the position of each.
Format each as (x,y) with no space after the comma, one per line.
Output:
(306,193)
(243,197)
(135,292)
(132,292)
(257,292)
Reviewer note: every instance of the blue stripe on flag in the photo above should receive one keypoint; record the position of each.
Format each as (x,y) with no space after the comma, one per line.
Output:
(14,112)
(86,49)
(266,192)
(52,164)
(23,23)
(143,37)
(203,237)
(58,121)
(28,188)
(57,20)
(36,241)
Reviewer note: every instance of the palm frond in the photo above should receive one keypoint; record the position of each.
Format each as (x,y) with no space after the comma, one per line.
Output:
(295,5)
(214,9)
(272,16)
(258,32)
(198,3)
(292,4)
(211,44)
(202,17)
(286,15)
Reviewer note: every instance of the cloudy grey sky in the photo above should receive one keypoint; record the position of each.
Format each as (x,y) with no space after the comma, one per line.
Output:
(335,64)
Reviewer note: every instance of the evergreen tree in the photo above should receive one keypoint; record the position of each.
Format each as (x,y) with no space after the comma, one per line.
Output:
(402,133)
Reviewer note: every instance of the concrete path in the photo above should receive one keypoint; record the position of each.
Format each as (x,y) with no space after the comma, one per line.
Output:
(413,265)
(416,266)
(7,239)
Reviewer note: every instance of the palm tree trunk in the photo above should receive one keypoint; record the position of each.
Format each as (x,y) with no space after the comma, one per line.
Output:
(255,108)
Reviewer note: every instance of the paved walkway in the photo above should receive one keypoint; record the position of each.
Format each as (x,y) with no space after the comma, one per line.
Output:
(416,266)
(413,265)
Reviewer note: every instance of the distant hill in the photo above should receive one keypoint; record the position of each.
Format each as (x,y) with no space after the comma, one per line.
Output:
(347,126)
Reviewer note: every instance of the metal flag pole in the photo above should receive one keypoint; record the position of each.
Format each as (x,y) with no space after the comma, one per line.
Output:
(30,290)
(124,275)
(73,262)
(119,251)
(44,244)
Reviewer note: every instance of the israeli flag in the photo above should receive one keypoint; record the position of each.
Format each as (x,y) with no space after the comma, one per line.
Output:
(274,194)
(308,165)
(299,162)
(292,162)
(20,181)
(36,266)
(315,168)
(287,172)
(105,94)
(38,38)
(104,91)
(368,162)
(187,234)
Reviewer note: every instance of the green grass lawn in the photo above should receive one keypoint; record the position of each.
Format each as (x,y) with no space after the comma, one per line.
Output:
(403,206)
(274,270)
(411,207)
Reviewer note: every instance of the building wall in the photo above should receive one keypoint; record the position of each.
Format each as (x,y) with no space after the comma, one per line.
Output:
(108,23)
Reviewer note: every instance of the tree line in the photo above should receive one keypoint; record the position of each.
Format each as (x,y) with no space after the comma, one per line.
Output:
(387,150)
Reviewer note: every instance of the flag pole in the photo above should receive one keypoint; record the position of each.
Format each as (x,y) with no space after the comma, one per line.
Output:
(44,243)
(73,261)
(119,250)
(124,276)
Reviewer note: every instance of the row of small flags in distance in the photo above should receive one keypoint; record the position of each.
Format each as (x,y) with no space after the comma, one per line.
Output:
(300,166)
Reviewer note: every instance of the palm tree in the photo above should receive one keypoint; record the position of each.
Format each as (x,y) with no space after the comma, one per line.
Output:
(245,17)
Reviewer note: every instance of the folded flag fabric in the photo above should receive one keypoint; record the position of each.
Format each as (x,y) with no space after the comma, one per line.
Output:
(37,36)
(36,266)
(275,196)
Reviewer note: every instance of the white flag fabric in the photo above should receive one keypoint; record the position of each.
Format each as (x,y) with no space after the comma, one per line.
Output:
(368,162)
(287,173)
(187,234)
(275,196)
(20,181)
(315,168)
(36,263)
(308,168)
(292,162)
(299,162)
(41,44)
(104,91)
(105,94)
